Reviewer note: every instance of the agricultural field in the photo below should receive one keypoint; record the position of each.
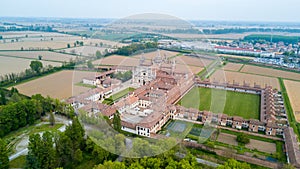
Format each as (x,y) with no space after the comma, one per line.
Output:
(293,90)
(227,139)
(162,53)
(83,50)
(236,56)
(117,60)
(35,45)
(237,77)
(31,34)
(222,101)
(192,61)
(188,69)
(230,36)
(17,65)
(261,146)
(233,66)
(46,55)
(270,72)
(60,85)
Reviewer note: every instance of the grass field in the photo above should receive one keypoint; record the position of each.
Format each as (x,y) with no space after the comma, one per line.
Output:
(221,101)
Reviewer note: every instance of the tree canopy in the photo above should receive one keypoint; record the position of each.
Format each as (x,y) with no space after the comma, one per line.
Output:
(36,66)
(4,161)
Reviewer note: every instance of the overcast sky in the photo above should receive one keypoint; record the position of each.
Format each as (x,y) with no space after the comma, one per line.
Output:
(229,10)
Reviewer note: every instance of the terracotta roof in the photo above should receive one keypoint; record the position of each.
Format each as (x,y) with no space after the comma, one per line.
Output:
(237,118)
(151,120)
(292,146)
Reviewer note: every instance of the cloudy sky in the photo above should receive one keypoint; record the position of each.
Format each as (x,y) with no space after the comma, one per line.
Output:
(229,10)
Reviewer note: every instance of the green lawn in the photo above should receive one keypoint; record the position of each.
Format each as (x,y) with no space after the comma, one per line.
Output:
(122,93)
(117,96)
(222,101)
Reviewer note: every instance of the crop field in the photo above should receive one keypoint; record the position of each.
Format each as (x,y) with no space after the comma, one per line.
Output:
(84,50)
(117,60)
(46,55)
(22,34)
(214,36)
(261,146)
(237,77)
(16,65)
(236,56)
(222,101)
(293,90)
(60,85)
(162,53)
(270,72)
(188,69)
(232,66)
(35,45)
(227,139)
(192,61)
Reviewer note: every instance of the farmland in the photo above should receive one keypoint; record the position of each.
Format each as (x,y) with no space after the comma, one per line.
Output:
(117,60)
(254,144)
(16,65)
(237,77)
(293,91)
(192,61)
(44,40)
(221,101)
(162,53)
(270,72)
(188,69)
(233,66)
(83,50)
(46,55)
(236,56)
(60,85)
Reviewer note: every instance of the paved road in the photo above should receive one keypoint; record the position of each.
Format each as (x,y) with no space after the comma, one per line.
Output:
(21,147)
(20,153)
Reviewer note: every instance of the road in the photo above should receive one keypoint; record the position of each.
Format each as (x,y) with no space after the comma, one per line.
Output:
(21,147)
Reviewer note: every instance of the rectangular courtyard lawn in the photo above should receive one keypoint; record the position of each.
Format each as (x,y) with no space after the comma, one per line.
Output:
(222,101)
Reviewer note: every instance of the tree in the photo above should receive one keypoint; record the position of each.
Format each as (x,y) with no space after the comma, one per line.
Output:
(40,57)
(15,97)
(98,54)
(111,165)
(4,161)
(231,163)
(78,156)
(243,138)
(117,121)
(68,45)
(41,153)
(2,98)
(51,119)
(90,64)
(36,66)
